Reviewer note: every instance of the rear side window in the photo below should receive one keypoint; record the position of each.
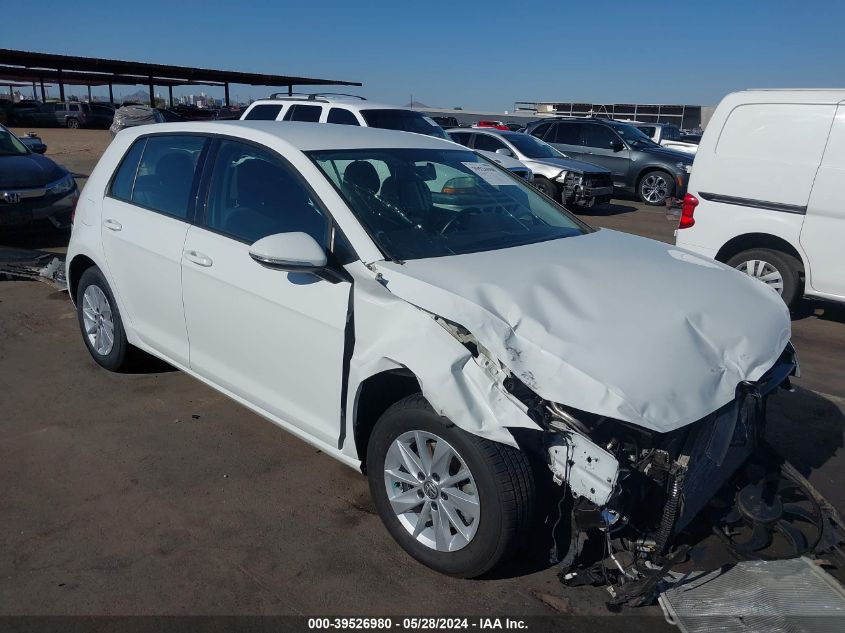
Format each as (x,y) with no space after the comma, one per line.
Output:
(253,194)
(598,136)
(488,143)
(304,113)
(793,133)
(166,172)
(540,130)
(342,116)
(566,134)
(263,112)
(124,177)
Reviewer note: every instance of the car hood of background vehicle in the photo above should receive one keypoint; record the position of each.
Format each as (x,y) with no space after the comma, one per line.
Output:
(669,154)
(30,170)
(569,165)
(608,323)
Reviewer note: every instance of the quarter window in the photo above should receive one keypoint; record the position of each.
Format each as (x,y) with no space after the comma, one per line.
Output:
(165,176)
(342,116)
(263,112)
(566,134)
(253,195)
(305,113)
(124,178)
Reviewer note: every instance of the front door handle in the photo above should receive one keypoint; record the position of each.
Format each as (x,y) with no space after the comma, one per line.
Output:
(201,259)
(112,225)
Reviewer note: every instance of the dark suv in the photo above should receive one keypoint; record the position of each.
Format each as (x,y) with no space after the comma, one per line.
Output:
(70,114)
(639,165)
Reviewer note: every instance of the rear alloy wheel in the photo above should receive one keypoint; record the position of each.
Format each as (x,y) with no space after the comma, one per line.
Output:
(655,187)
(456,502)
(547,187)
(73,123)
(99,320)
(777,270)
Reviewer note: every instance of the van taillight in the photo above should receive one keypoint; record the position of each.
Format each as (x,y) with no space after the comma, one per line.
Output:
(687,211)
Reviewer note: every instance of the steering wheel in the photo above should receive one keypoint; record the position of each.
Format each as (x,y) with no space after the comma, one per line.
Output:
(460,214)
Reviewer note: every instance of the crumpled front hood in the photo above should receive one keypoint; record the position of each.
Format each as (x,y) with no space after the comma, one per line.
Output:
(29,170)
(568,164)
(608,323)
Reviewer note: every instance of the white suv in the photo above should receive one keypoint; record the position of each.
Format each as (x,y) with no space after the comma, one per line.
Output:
(766,192)
(419,313)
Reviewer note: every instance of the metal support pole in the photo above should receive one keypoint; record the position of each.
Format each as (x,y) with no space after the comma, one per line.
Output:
(152,94)
(226,92)
(290,90)
(89,93)
(34,94)
(43,92)
(111,93)
(170,94)
(61,86)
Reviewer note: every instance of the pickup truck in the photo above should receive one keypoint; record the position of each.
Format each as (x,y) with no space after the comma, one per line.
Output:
(666,135)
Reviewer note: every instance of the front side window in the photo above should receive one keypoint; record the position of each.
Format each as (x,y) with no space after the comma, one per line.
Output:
(418,203)
(634,137)
(166,172)
(73,107)
(541,130)
(253,194)
(460,137)
(532,147)
(488,143)
(648,130)
(341,116)
(10,145)
(404,121)
(598,136)
(263,112)
(304,113)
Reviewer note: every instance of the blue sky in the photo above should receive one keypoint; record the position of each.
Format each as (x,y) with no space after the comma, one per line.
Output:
(483,56)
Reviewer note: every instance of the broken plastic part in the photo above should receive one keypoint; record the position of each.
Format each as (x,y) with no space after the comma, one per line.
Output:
(588,470)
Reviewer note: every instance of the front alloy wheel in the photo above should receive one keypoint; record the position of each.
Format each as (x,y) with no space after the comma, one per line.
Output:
(655,187)
(432,491)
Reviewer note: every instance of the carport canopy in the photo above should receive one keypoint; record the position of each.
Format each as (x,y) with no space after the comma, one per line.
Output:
(32,68)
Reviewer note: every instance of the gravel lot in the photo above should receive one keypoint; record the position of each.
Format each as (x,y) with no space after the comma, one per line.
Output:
(149,493)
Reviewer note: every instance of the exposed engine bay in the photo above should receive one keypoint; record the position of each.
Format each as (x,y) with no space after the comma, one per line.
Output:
(585,190)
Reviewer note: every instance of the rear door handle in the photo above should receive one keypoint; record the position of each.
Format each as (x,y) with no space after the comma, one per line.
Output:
(112,225)
(201,259)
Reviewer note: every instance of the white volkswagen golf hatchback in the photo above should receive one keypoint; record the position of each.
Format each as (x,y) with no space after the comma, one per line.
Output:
(419,313)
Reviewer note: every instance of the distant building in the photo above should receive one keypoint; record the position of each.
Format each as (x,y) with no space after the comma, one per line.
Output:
(684,116)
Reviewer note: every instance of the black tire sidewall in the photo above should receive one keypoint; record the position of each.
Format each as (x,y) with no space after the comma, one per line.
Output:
(670,186)
(115,359)
(546,187)
(72,123)
(487,546)
(785,264)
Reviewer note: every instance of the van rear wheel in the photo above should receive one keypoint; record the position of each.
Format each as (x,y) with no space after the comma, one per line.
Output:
(773,268)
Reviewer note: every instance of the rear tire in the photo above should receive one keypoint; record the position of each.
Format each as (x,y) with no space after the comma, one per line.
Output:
(547,187)
(655,187)
(72,123)
(499,482)
(100,322)
(771,267)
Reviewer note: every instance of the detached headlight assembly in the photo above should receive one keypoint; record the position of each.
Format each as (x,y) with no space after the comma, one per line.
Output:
(65,184)
(687,167)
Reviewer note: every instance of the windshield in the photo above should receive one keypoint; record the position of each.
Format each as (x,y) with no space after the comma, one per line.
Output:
(533,147)
(10,145)
(404,121)
(419,203)
(633,136)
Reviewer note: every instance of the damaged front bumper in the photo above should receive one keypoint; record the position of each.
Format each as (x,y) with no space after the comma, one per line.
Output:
(585,189)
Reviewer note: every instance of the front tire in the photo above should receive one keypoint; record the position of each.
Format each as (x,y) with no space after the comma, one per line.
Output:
(655,187)
(547,187)
(100,322)
(73,124)
(456,502)
(774,268)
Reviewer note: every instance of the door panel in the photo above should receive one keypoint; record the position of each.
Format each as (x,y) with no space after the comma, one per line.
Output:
(144,252)
(597,139)
(823,231)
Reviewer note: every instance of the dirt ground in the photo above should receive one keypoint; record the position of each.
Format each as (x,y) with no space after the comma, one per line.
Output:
(149,493)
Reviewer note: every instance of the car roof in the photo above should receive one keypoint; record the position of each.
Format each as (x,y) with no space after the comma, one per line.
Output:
(485,130)
(302,136)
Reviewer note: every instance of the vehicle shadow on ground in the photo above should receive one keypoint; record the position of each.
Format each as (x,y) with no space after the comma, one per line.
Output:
(142,363)
(825,310)
(805,428)
(611,208)
(39,236)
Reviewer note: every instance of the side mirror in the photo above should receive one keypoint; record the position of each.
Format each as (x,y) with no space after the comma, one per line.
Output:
(617,146)
(293,252)
(38,148)
(504,151)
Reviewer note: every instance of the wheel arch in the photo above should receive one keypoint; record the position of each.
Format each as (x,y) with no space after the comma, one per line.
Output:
(648,168)
(759,240)
(375,395)
(78,265)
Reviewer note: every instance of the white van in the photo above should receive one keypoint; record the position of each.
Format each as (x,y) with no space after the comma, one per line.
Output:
(767,192)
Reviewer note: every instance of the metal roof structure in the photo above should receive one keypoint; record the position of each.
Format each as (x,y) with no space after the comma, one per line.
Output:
(33,68)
